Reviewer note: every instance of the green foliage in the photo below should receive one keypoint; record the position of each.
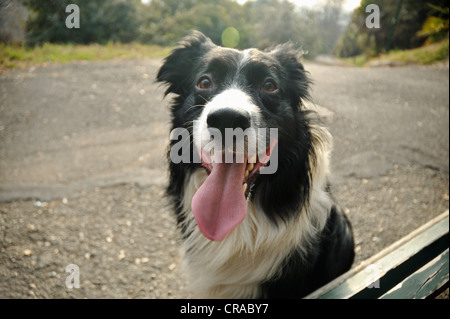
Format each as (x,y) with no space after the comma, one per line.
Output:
(101,21)
(424,55)
(401,35)
(259,23)
(435,27)
(12,56)
(165,22)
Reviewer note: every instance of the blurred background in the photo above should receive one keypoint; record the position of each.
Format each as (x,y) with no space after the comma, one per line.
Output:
(319,27)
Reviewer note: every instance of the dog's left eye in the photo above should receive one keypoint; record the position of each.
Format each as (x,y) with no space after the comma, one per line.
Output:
(269,86)
(205,83)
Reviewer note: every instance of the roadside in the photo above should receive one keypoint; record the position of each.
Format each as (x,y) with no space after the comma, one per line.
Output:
(432,54)
(23,57)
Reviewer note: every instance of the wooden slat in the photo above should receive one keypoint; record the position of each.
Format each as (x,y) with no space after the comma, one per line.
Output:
(384,268)
(424,282)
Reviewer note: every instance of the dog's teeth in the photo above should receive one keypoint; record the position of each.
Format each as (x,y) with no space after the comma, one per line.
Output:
(250,167)
(252,158)
(244,187)
(246,174)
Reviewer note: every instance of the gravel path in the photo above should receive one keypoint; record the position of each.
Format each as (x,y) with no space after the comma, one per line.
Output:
(82,171)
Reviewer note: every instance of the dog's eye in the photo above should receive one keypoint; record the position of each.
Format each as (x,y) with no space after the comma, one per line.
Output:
(269,86)
(205,83)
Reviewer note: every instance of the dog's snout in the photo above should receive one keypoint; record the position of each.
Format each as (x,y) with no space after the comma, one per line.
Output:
(228,118)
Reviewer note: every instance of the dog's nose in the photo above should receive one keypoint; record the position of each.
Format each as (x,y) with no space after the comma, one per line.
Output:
(228,118)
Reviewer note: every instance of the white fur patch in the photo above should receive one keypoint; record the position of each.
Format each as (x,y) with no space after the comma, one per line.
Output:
(231,98)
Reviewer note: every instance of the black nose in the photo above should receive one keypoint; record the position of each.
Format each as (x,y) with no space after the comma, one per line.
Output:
(228,118)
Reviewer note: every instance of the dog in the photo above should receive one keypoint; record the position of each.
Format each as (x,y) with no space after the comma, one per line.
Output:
(267,225)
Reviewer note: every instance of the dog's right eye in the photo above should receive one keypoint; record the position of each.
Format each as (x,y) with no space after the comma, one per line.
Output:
(269,86)
(205,83)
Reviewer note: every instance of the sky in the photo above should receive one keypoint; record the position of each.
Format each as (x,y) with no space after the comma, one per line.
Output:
(349,5)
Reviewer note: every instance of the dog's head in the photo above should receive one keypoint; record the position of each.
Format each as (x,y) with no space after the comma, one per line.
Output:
(242,111)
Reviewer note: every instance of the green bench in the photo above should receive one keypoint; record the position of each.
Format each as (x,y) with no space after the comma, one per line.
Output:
(415,267)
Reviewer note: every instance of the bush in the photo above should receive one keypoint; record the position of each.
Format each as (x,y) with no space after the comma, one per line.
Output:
(101,21)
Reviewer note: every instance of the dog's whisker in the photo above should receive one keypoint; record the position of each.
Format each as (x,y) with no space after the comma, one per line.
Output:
(205,99)
(194,106)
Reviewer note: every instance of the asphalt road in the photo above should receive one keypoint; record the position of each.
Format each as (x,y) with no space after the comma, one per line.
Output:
(82,171)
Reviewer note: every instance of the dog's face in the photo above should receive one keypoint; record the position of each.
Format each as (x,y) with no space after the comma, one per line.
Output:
(242,110)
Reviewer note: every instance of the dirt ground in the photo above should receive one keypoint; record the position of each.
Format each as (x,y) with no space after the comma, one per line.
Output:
(82,171)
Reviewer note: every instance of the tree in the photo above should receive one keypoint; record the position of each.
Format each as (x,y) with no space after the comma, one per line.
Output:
(167,21)
(12,19)
(316,31)
(393,34)
(101,21)
(435,27)
(273,22)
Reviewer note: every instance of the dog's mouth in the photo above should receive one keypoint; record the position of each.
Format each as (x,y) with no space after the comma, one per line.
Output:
(253,165)
(220,204)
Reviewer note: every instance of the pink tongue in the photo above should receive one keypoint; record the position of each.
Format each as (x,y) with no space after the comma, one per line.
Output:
(219,205)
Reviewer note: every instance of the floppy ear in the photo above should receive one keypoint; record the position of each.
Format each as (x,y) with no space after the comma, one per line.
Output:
(178,68)
(294,74)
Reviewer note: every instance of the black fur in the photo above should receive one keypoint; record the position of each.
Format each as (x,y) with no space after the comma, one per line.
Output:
(332,256)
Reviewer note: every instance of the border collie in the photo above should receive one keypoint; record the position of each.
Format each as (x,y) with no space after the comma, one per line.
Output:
(249,233)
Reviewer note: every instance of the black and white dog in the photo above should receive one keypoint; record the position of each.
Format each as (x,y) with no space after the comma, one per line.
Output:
(249,233)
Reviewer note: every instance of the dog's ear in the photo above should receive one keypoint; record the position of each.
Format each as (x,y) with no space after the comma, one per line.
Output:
(178,68)
(294,75)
